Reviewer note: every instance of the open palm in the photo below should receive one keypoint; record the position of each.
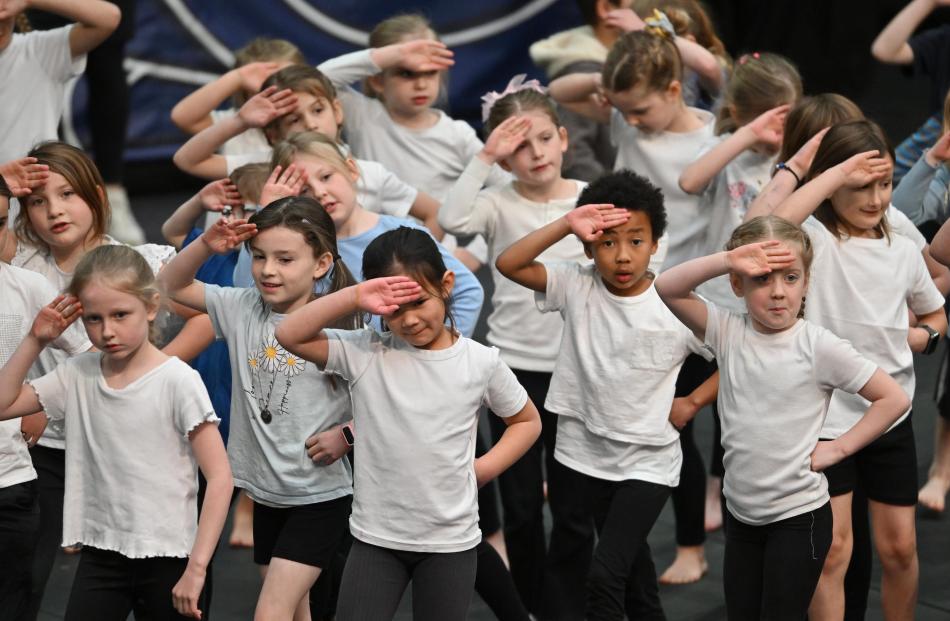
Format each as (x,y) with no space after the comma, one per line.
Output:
(268,105)
(224,236)
(426,55)
(383,296)
(759,258)
(55,317)
(590,221)
(507,137)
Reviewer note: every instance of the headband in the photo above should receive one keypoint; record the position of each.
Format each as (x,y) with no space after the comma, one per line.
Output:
(515,85)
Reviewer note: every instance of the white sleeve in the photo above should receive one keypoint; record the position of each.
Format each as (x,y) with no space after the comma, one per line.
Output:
(348,68)
(838,365)
(902,225)
(192,405)
(694,345)
(51,389)
(471,146)
(716,328)
(51,50)
(504,395)
(466,210)
(563,285)
(233,162)
(351,352)
(393,195)
(156,255)
(923,296)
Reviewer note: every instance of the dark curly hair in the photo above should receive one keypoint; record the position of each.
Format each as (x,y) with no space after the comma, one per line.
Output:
(625,188)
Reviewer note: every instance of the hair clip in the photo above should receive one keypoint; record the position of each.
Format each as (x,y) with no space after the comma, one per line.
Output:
(305,221)
(745,57)
(227,211)
(660,25)
(516,84)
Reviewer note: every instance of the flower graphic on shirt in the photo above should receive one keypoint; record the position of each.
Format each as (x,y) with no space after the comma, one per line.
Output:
(252,362)
(291,365)
(270,355)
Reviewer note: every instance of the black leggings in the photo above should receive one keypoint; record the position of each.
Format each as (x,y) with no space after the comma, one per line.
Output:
(770,572)
(622,578)
(549,578)
(50,465)
(109,585)
(375,579)
(19,523)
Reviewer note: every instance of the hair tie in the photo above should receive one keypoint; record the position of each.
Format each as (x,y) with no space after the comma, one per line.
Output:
(660,25)
(337,257)
(745,57)
(516,84)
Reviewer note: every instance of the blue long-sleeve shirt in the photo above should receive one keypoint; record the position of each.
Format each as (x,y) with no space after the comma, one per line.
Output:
(922,194)
(467,295)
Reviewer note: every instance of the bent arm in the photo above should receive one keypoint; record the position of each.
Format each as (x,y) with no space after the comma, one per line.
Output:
(521,432)
(891,45)
(458,214)
(193,113)
(888,403)
(16,398)
(697,175)
(519,262)
(301,332)
(95,21)
(177,278)
(675,287)
(577,92)
(198,156)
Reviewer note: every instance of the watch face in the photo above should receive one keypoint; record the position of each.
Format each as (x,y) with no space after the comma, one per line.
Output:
(348,435)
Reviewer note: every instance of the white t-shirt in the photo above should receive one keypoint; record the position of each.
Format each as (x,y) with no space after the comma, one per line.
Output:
(251,140)
(24,294)
(377,190)
(726,200)
(131,478)
(269,459)
(42,262)
(35,67)
(662,157)
(416,416)
(860,289)
(528,340)
(774,391)
(619,357)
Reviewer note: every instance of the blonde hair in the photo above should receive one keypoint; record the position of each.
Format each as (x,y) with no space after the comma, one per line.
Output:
(264,49)
(399,28)
(759,82)
(764,228)
(642,59)
(81,174)
(250,180)
(689,18)
(122,268)
(520,102)
(309,143)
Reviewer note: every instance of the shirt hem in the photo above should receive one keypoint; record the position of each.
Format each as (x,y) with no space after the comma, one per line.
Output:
(781,516)
(277,502)
(413,547)
(631,476)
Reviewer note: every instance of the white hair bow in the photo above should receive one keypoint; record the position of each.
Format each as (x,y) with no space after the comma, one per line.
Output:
(515,85)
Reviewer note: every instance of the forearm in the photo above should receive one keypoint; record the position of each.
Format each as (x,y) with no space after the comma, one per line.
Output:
(15,370)
(194,111)
(180,272)
(781,186)
(426,209)
(519,261)
(703,62)
(705,393)
(180,223)
(889,46)
(349,68)
(305,324)
(519,436)
(910,194)
(95,14)
(803,202)
(877,419)
(214,513)
(574,87)
(202,146)
(698,174)
(194,337)
(456,211)
(679,281)
(936,320)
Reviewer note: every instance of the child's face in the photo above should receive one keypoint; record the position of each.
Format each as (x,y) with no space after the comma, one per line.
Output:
(647,110)
(284,268)
(860,209)
(537,161)
(116,321)
(58,214)
(405,93)
(335,189)
(622,255)
(421,323)
(313,113)
(774,299)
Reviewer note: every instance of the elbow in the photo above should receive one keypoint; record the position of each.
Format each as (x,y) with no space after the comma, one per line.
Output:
(112,15)
(688,184)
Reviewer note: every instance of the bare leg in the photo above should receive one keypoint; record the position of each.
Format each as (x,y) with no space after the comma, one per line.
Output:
(895,537)
(285,595)
(934,493)
(713,518)
(828,601)
(242,528)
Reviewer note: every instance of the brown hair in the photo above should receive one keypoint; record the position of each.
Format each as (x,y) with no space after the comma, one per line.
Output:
(250,180)
(396,29)
(121,268)
(764,228)
(263,49)
(81,173)
(642,59)
(946,113)
(309,143)
(526,100)
(301,79)
(305,216)
(841,142)
(689,18)
(759,82)
(5,189)
(813,114)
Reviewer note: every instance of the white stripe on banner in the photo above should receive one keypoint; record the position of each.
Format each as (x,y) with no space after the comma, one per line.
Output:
(199,32)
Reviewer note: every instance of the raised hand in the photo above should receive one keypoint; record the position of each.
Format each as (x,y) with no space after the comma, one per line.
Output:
(23,175)
(55,317)
(267,105)
(505,138)
(11,8)
(383,296)
(625,20)
(220,194)
(590,221)
(861,169)
(425,55)
(253,75)
(940,152)
(769,127)
(801,161)
(759,258)
(226,235)
(283,183)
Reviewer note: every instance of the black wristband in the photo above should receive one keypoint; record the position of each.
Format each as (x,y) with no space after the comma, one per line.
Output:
(786,167)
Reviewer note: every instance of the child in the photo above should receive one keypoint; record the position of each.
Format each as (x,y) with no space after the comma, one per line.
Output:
(415,506)
(333,180)
(659,136)
(279,400)
(134,515)
(253,64)
(526,139)
(614,438)
(853,249)
(24,294)
(777,376)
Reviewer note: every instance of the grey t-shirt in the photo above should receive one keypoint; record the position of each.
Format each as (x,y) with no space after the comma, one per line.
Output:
(269,459)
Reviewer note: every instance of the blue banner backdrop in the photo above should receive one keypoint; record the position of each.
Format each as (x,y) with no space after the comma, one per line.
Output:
(182,44)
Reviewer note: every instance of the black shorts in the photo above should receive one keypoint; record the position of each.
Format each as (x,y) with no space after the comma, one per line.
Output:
(886,467)
(308,534)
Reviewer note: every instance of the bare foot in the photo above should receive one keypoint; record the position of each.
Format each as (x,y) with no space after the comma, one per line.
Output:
(934,493)
(497,541)
(713,520)
(688,566)
(242,528)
